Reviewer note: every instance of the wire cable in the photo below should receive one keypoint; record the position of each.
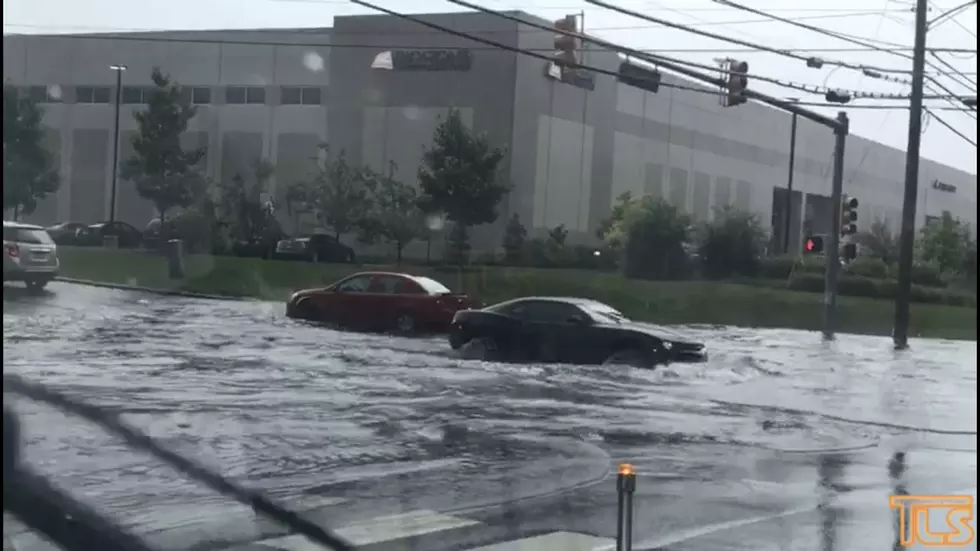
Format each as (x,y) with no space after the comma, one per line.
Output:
(655,59)
(737,41)
(844,38)
(111,422)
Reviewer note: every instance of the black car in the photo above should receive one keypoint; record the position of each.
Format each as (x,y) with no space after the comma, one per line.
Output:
(569,330)
(315,248)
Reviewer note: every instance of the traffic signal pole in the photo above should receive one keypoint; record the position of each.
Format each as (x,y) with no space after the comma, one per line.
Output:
(788,205)
(900,334)
(833,253)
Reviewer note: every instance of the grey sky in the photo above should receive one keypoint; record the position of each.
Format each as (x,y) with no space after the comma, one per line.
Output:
(889,21)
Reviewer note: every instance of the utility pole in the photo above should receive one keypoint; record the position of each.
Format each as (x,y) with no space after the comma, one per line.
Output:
(900,334)
(833,253)
(788,207)
(115,142)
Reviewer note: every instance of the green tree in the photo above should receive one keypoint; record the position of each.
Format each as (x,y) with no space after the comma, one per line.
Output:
(879,242)
(243,206)
(612,229)
(458,177)
(557,236)
(731,244)
(515,239)
(29,171)
(337,194)
(946,244)
(394,215)
(164,172)
(650,234)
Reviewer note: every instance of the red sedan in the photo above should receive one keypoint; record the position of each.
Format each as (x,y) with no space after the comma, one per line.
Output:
(380,301)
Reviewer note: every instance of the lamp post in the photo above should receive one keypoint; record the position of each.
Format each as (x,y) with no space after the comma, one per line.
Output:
(119,69)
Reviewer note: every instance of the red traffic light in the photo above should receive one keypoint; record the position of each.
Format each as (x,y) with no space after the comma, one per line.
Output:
(813,244)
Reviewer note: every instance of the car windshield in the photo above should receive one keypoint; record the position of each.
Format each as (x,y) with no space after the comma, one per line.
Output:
(31,236)
(603,313)
(432,286)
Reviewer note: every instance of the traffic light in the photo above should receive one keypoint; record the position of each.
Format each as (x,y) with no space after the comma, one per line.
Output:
(849,215)
(738,82)
(640,77)
(566,47)
(813,244)
(849,251)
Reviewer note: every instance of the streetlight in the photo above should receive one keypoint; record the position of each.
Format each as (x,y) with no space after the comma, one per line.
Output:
(119,69)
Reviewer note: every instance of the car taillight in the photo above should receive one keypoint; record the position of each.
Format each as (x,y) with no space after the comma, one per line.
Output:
(11,249)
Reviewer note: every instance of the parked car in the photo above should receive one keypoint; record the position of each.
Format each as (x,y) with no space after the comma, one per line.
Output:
(29,255)
(380,301)
(569,330)
(314,248)
(69,233)
(128,236)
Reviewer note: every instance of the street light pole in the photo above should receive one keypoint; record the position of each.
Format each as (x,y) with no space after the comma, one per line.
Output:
(115,142)
(900,333)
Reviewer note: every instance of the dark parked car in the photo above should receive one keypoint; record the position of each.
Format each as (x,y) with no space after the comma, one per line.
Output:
(315,248)
(569,330)
(69,233)
(380,301)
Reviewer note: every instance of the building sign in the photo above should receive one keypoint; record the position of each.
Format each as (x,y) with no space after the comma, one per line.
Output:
(576,77)
(425,60)
(942,186)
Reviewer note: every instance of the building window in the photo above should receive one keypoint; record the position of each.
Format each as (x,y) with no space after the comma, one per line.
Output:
(42,94)
(245,94)
(197,95)
(92,94)
(133,95)
(301,95)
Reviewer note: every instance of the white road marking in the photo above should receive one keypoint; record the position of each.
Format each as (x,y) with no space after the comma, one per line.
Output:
(555,541)
(378,530)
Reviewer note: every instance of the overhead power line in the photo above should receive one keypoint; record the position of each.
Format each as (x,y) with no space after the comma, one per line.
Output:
(107,33)
(541,53)
(832,34)
(810,61)
(861,42)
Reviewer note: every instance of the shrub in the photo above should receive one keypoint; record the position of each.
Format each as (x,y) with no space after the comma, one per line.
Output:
(731,244)
(860,286)
(656,232)
(868,267)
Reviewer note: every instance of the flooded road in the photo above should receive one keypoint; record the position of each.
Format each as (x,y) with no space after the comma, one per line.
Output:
(779,442)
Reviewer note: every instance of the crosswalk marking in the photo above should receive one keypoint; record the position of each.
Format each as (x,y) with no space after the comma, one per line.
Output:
(555,541)
(378,530)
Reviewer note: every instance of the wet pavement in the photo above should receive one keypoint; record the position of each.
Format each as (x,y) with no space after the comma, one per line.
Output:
(779,442)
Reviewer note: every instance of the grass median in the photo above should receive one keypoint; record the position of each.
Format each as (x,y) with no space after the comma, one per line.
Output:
(762,304)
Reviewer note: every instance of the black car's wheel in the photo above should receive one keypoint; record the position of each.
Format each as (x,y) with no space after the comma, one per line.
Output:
(484,348)
(632,357)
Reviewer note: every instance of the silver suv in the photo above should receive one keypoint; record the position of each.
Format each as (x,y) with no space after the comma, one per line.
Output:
(29,255)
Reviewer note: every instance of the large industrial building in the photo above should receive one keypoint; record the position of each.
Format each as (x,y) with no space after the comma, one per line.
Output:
(376,86)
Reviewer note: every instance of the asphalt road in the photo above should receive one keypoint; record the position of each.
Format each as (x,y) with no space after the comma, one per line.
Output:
(779,442)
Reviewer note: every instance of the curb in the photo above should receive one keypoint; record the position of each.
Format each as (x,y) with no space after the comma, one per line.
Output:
(168,292)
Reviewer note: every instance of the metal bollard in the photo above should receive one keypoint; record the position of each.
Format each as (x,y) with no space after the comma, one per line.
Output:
(175,258)
(625,486)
